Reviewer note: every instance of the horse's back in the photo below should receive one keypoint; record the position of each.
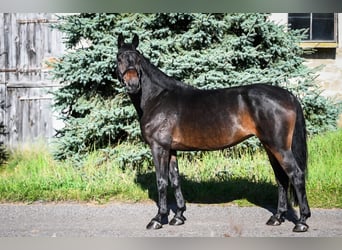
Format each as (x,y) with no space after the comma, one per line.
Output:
(241,99)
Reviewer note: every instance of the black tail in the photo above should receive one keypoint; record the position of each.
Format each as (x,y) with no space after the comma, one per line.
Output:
(299,147)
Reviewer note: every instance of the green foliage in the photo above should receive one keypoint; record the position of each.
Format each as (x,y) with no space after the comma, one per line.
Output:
(205,50)
(321,113)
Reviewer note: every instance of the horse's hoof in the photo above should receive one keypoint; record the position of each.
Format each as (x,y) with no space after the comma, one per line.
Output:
(176,221)
(274,221)
(300,227)
(154,225)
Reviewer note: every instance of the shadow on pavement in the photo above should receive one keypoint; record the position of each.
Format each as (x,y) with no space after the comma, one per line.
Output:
(262,194)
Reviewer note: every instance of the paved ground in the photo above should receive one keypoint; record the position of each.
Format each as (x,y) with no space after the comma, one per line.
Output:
(129,220)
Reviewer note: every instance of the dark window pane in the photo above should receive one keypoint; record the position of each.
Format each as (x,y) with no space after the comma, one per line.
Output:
(323,26)
(300,21)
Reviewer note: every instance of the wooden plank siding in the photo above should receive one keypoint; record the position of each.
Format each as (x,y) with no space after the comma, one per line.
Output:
(2,79)
(27,42)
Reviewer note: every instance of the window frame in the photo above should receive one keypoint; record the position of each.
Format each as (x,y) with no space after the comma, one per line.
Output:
(320,43)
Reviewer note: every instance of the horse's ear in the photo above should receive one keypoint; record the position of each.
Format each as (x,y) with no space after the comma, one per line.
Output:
(135,41)
(121,40)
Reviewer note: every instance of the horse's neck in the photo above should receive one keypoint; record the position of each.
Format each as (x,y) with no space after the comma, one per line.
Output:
(136,100)
(154,84)
(148,96)
(151,92)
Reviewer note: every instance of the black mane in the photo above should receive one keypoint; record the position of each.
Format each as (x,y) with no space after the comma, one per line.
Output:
(161,79)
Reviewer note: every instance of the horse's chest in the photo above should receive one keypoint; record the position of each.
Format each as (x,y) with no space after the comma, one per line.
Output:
(158,129)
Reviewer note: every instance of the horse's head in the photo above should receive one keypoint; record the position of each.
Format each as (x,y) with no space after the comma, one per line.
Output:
(129,64)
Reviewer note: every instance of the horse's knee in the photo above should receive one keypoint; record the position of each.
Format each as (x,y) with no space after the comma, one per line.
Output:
(162,185)
(174,180)
(175,183)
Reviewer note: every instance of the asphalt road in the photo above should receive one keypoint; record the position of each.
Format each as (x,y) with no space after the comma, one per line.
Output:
(130,219)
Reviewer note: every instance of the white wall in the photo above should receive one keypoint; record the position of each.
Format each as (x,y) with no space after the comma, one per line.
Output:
(279,18)
(339,31)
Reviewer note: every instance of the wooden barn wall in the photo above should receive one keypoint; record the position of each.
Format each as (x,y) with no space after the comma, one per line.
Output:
(27,43)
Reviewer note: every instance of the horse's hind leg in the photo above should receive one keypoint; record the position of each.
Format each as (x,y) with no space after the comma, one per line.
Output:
(178,219)
(297,178)
(283,184)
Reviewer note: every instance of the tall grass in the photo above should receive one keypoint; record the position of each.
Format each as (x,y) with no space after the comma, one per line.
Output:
(325,170)
(31,174)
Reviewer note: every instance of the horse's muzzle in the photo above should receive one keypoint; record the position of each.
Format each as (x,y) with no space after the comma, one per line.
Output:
(131,79)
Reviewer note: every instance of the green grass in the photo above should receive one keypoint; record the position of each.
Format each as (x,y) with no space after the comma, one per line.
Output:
(31,174)
(325,170)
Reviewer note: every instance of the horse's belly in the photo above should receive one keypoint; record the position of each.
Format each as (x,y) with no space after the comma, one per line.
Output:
(206,139)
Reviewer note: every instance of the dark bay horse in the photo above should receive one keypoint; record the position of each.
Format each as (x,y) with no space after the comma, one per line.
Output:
(175,116)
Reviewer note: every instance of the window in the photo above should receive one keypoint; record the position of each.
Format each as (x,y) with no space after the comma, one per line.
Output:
(321,26)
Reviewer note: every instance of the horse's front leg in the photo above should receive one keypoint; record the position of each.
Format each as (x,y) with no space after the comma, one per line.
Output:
(161,158)
(178,219)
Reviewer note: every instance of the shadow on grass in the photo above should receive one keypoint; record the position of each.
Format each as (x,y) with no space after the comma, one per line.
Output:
(262,194)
